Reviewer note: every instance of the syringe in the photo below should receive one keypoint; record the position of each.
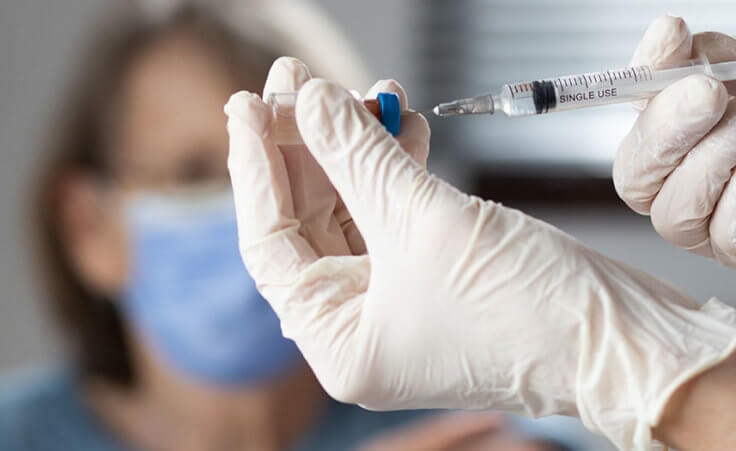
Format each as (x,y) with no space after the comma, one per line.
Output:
(583,90)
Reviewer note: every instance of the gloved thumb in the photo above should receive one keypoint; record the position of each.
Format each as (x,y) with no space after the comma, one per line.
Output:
(667,41)
(372,173)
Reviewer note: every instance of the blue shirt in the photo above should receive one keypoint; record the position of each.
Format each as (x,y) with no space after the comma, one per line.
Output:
(44,410)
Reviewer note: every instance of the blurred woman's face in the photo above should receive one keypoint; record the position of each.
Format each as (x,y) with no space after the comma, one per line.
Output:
(170,130)
(160,236)
(166,134)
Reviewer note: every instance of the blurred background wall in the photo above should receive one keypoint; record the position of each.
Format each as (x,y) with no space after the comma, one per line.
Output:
(39,41)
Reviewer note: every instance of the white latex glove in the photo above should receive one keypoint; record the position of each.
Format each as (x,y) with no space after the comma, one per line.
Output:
(459,303)
(677,162)
(310,198)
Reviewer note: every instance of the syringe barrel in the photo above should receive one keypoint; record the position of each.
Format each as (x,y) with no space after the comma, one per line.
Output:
(595,88)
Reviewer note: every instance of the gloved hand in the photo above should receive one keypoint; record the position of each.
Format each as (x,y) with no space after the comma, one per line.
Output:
(677,162)
(310,197)
(459,303)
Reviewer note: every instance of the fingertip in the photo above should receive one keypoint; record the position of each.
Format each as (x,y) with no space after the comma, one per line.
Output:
(414,136)
(287,74)
(667,40)
(640,202)
(635,188)
(691,106)
(289,63)
(414,127)
(389,85)
(241,103)
(247,109)
(700,93)
(413,122)
(669,24)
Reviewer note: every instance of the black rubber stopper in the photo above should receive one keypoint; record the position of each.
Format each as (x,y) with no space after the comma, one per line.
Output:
(544,96)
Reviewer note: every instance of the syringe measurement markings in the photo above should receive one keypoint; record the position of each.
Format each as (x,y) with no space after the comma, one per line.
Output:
(639,73)
(649,73)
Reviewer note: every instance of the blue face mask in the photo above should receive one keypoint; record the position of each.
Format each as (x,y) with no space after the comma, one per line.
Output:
(190,296)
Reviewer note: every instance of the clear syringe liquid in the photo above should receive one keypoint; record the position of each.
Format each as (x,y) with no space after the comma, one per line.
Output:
(583,90)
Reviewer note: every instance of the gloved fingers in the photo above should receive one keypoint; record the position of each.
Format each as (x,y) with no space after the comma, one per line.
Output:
(313,195)
(723,226)
(287,74)
(413,138)
(320,309)
(717,48)
(351,232)
(349,229)
(364,162)
(667,41)
(414,134)
(681,211)
(315,201)
(664,133)
(307,293)
(389,86)
(263,202)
